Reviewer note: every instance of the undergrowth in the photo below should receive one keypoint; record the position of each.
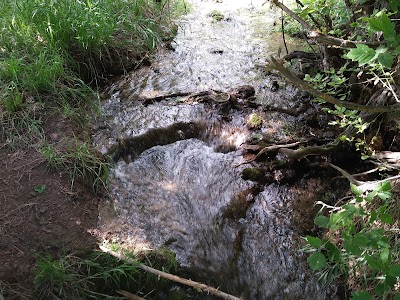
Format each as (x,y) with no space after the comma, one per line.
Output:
(80,161)
(98,275)
(360,244)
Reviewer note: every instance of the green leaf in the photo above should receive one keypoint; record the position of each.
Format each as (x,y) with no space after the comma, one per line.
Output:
(386,218)
(321,221)
(314,241)
(360,295)
(351,248)
(375,234)
(333,252)
(356,190)
(316,261)
(373,217)
(39,188)
(394,4)
(384,195)
(396,51)
(374,263)
(384,187)
(362,54)
(384,255)
(397,297)
(384,24)
(386,59)
(361,240)
(395,270)
(351,208)
(370,196)
(381,50)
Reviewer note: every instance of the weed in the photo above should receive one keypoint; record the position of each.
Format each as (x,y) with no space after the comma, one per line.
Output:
(361,243)
(72,277)
(216,15)
(80,161)
(97,274)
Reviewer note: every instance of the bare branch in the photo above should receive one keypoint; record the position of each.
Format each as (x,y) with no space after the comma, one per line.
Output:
(278,65)
(320,37)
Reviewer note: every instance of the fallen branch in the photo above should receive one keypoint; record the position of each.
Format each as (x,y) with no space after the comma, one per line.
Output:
(278,65)
(147,101)
(390,157)
(362,185)
(188,282)
(347,175)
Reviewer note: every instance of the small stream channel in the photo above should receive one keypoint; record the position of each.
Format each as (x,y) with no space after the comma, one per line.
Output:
(177,183)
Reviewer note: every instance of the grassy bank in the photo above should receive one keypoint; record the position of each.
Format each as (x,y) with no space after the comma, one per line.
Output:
(97,275)
(53,56)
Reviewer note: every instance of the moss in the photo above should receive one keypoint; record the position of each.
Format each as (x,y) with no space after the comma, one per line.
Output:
(255,121)
(216,15)
(253,174)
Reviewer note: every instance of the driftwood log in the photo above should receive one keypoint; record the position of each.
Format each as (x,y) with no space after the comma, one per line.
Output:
(241,92)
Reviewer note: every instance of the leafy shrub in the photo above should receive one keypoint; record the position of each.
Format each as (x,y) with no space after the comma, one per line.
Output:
(360,244)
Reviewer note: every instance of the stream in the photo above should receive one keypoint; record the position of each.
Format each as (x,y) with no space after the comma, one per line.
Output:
(177,181)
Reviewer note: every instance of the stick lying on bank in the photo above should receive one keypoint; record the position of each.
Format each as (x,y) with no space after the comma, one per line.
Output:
(188,282)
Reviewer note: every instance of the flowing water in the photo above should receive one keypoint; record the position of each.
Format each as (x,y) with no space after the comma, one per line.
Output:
(177,183)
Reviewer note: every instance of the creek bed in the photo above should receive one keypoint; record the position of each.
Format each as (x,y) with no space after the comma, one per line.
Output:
(177,183)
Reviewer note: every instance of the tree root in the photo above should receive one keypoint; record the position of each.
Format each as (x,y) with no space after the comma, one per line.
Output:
(268,149)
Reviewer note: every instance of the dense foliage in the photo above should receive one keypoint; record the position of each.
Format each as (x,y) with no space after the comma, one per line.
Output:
(360,43)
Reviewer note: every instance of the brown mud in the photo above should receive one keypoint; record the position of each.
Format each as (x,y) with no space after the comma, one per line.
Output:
(36,222)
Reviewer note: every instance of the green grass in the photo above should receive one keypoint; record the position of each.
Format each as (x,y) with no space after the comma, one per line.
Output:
(80,161)
(96,275)
(53,56)
(73,277)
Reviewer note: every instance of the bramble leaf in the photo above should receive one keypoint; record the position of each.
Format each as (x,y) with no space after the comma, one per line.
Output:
(386,59)
(333,252)
(321,221)
(394,5)
(374,263)
(317,261)
(395,270)
(360,295)
(384,24)
(39,188)
(385,255)
(386,218)
(314,241)
(362,54)
(356,190)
